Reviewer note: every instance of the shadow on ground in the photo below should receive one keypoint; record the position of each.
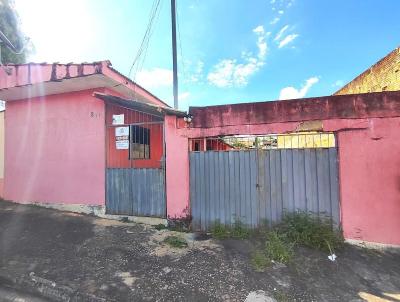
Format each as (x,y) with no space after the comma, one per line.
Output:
(117,261)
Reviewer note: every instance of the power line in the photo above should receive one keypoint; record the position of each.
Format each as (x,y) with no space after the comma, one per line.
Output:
(143,57)
(146,37)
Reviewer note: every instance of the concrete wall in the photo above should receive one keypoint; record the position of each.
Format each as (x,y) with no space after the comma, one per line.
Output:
(177,168)
(370,181)
(366,127)
(2,153)
(55,149)
(382,76)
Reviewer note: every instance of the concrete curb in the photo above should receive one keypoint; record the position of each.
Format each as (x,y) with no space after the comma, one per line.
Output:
(99,211)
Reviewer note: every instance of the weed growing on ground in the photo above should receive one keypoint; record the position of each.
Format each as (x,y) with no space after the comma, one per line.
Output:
(260,261)
(124,219)
(219,231)
(239,230)
(279,241)
(311,231)
(176,241)
(296,229)
(160,226)
(281,296)
(278,248)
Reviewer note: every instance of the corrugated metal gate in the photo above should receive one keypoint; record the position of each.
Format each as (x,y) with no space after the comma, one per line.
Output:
(255,186)
(135,173)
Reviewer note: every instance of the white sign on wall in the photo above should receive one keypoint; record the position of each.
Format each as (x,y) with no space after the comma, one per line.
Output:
(122,145)
(118,119)
(121,131)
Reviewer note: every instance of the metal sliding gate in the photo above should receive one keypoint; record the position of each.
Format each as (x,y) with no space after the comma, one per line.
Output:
(258,186)
(135,173)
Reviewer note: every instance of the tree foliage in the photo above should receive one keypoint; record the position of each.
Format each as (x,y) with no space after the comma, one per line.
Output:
(9,25)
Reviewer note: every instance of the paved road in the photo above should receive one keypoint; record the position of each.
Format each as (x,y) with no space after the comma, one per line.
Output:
(61,255)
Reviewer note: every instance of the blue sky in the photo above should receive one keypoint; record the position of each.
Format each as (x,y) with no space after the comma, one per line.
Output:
(229,51)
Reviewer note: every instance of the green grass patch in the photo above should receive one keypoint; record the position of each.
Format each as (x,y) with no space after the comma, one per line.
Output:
(220,231)
(280,296)
(160,226)
(176,242)
(311,231)
(295,229)
(124,219)
(237,231)
(260,261)
(278,248)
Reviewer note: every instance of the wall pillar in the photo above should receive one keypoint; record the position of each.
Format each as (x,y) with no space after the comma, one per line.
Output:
(177,170)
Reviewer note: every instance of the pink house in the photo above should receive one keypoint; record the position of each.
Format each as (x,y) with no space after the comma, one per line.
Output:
(84,137)
(59,127)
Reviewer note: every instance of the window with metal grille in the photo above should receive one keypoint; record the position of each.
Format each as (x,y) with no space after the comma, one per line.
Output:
(139,147)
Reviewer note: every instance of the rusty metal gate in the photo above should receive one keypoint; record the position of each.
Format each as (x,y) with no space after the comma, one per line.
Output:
(235,181)
(135,172)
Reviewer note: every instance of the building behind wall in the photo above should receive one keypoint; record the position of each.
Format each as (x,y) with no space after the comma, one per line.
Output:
(382,76)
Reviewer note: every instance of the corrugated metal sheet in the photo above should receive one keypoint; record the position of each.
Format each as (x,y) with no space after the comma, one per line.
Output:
(257,186)
(138,192)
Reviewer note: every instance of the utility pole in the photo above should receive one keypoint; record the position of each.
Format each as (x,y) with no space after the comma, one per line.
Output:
(174,59)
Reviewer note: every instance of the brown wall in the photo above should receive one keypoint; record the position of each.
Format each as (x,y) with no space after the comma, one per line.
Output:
(383,76)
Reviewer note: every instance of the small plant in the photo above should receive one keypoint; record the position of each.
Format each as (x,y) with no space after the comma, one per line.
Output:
(239,230)
(176,242)
(311,231)
(281,296)
(219,231)
(260,261)
(124,219)
(182,223)
(160,227)
(277,248)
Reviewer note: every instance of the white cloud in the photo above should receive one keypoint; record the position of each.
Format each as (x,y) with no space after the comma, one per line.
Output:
(230,72)
(280,32)
(293,93)
(274,21)
(156,77)
(338,83)
(222,74)
(261,43)
(273,1)
(183,96)
(281,12)
(287,40)
(194,73)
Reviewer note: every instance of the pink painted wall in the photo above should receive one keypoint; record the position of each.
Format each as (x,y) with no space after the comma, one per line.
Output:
(367,128)
(55,149)
(177,169)
(370,181)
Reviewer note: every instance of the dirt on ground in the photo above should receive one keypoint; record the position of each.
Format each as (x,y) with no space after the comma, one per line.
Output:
(94,259)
